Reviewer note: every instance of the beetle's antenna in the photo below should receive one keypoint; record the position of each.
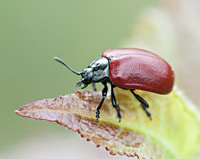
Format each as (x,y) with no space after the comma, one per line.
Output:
(62,62)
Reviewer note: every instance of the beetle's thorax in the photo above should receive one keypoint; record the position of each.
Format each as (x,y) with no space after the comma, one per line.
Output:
(97,71)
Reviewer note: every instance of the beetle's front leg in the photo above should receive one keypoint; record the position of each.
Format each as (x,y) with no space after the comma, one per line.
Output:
(104,94)
(114,103)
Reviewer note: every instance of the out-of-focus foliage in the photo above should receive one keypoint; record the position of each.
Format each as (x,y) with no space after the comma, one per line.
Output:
(32,32)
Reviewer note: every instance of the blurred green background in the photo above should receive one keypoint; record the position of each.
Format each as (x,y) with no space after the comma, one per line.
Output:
(32,32)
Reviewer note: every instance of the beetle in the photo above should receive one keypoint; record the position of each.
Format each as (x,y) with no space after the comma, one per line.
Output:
(130,69)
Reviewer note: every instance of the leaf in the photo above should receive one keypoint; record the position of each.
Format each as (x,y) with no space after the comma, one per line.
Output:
(172,133)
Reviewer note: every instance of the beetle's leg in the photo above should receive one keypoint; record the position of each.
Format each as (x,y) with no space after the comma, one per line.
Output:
(94,87)
(114,103)
(104,93)
(144,104)
(140,99)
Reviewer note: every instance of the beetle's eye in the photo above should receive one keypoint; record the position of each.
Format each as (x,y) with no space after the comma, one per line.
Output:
(96,67)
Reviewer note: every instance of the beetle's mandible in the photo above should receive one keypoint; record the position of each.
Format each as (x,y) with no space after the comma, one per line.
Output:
(127,68)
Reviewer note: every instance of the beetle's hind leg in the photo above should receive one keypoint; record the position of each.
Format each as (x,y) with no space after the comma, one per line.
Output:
(104,94)
(144,104)
(114,103)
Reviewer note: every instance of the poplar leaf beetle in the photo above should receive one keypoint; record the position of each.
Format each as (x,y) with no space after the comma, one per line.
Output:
(130,69)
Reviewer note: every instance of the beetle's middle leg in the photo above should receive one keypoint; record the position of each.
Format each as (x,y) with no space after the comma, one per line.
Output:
(114,103)
(144,104)
(104,94)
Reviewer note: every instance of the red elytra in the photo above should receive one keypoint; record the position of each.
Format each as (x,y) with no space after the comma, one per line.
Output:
(139,69)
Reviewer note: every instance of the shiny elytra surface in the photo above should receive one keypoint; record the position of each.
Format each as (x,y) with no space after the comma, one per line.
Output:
(139,69)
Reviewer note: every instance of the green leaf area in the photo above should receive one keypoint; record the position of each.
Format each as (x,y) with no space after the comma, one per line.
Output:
(173,132)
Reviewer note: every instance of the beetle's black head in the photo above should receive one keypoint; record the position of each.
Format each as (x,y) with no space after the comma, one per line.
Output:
(96,72)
